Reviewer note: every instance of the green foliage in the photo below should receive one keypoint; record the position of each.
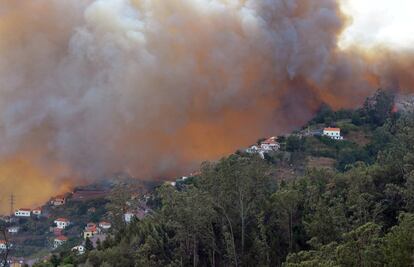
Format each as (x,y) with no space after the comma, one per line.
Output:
(88,244)
(235,213)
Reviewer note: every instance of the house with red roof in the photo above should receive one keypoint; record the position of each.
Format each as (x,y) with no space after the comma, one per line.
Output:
(270,144)
(23,213)
(62,223)
(90,230)
(333,133)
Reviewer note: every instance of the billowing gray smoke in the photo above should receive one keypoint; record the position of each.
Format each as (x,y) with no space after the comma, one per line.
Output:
(153,87)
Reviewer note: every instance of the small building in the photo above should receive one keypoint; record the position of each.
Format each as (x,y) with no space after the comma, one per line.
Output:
(105,225)
(23,213)
(78,249)
(13,229)
(270,144)
(333,133)
(90,230)
(58,201)
(62,223)
(3,245)
(37,211)
(129,216)
(60,240)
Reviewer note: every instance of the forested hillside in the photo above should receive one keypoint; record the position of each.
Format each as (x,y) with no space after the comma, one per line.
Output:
(242,211)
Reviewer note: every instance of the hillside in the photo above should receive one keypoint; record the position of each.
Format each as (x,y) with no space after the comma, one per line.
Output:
(313,202)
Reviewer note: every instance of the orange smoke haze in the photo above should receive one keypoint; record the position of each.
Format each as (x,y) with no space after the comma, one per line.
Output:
(152,88)
(30,185)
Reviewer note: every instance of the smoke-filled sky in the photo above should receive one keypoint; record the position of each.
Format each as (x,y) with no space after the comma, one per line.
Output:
(153,87)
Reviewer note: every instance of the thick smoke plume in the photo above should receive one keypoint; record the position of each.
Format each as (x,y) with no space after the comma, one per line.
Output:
(153,87)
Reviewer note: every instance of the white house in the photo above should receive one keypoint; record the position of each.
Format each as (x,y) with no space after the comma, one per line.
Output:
(62,223)
(128,216)
(22,213)
(333,133)
(13,229)
(37,211)
(3,245)
(253,149)
(105,225)
(270,144)
(60,240)
(266,146)
(79,249)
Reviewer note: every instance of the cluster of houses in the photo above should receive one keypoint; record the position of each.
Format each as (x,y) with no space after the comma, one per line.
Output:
(266,146)
(271,144)
(90,231)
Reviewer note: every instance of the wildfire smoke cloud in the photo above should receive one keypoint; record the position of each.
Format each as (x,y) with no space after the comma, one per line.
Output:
(153,87)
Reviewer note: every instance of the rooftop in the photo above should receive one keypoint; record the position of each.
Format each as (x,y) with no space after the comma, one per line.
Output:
(330,129)
(24,209)
(62,220)
(61,238)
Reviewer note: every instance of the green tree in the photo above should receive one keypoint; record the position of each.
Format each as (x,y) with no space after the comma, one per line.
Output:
(88,244)
(399,242)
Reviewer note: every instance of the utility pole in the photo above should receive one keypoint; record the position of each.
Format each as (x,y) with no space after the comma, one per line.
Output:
(12,202)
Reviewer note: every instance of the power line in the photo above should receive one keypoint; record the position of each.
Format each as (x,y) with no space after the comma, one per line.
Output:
(12,202)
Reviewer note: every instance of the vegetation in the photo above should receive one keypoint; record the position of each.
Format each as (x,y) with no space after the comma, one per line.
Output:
(235,213)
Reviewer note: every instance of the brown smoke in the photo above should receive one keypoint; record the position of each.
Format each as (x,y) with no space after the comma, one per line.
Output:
(153,87)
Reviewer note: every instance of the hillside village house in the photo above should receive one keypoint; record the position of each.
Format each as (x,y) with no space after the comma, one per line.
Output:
(62,223)
(128,216)
(79,249)
(13,229)
(3,245)
(105,225)
(270,144)
(58,201)
(60,240)
(90,230)
(265,146)
(333,133)
(23,213)
(37,211)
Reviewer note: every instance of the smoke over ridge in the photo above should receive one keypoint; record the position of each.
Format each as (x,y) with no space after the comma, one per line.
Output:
(152,87)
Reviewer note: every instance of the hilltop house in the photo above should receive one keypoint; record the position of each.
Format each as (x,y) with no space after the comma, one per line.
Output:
(60,240)
(58,201)
(333,133)
(270,144)
(3,245)
(22,213)
(62,223)
(265,146)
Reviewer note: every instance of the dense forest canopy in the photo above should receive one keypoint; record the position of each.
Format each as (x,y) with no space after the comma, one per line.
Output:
(240,212)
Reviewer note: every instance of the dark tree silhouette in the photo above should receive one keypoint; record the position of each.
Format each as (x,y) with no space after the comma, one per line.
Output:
(4,254)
